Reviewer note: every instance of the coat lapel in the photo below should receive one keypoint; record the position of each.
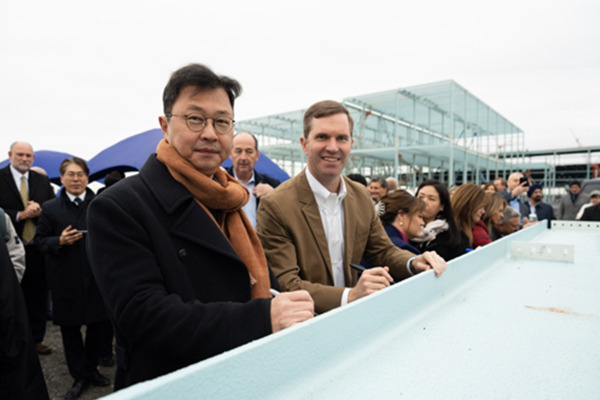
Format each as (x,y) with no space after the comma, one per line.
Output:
(350,212)
(310,210)
(9,183)
(191,221)
(195,225)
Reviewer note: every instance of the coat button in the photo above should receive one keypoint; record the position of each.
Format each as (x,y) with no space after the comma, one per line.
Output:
(182,254)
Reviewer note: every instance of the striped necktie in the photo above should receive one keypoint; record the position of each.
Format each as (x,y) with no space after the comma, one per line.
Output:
(29,227)
(77,201)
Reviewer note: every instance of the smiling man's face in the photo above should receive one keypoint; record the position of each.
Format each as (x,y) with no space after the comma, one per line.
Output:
(327,148)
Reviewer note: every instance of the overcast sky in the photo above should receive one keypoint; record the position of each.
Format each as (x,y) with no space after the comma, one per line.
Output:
(78,76)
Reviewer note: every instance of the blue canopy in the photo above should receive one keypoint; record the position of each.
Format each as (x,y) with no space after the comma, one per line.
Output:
(131,153)
(127,155)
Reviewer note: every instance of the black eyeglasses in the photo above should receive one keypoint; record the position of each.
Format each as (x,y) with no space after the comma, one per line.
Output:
(197,122)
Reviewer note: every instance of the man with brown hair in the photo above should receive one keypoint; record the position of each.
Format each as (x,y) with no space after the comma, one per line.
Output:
(317,223)
(500,184)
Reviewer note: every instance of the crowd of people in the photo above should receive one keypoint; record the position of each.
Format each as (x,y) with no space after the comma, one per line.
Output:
(186,260)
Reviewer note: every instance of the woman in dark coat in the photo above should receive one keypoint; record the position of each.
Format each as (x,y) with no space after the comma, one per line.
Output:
(440,233)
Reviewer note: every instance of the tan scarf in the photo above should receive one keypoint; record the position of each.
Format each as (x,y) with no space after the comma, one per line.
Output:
(227,197)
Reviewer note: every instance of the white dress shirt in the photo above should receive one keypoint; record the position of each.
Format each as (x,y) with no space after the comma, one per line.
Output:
(250,207)
(532,210)
(331,209)
(17,178)
(72,196)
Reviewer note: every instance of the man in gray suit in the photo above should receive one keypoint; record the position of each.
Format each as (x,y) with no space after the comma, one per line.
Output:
(571,202)
(317,223)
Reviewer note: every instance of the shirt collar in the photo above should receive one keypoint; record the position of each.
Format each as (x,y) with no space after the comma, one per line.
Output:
(17,175)
(247,183)
(72,196)
(321,192)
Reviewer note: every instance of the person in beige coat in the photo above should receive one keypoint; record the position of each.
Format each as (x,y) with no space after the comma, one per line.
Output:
(317,223)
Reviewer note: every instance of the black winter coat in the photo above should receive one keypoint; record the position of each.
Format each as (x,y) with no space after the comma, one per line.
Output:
(21,376)
(176,290)
(75,296)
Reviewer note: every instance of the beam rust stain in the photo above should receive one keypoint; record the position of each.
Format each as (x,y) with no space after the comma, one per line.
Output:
(558,311)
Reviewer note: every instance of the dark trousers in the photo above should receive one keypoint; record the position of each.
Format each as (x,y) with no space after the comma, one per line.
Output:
(106,349)
(82,354)
(35,291)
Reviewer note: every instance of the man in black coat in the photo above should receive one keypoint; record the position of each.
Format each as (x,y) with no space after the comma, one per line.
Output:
(75,296)
(168,256)
(15,179)
(21,376)
(536,206)
(244,155)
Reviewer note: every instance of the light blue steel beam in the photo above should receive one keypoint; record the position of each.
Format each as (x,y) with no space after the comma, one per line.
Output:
(490,327)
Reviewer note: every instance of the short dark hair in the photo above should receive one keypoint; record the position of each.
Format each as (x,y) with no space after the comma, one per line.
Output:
(324,108)
(73,160)
(113,177)
(381,181)
(358,178)
(253,137)
(202,77)
(574,183)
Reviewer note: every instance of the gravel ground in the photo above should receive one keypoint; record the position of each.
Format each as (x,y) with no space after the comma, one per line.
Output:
(56,372)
